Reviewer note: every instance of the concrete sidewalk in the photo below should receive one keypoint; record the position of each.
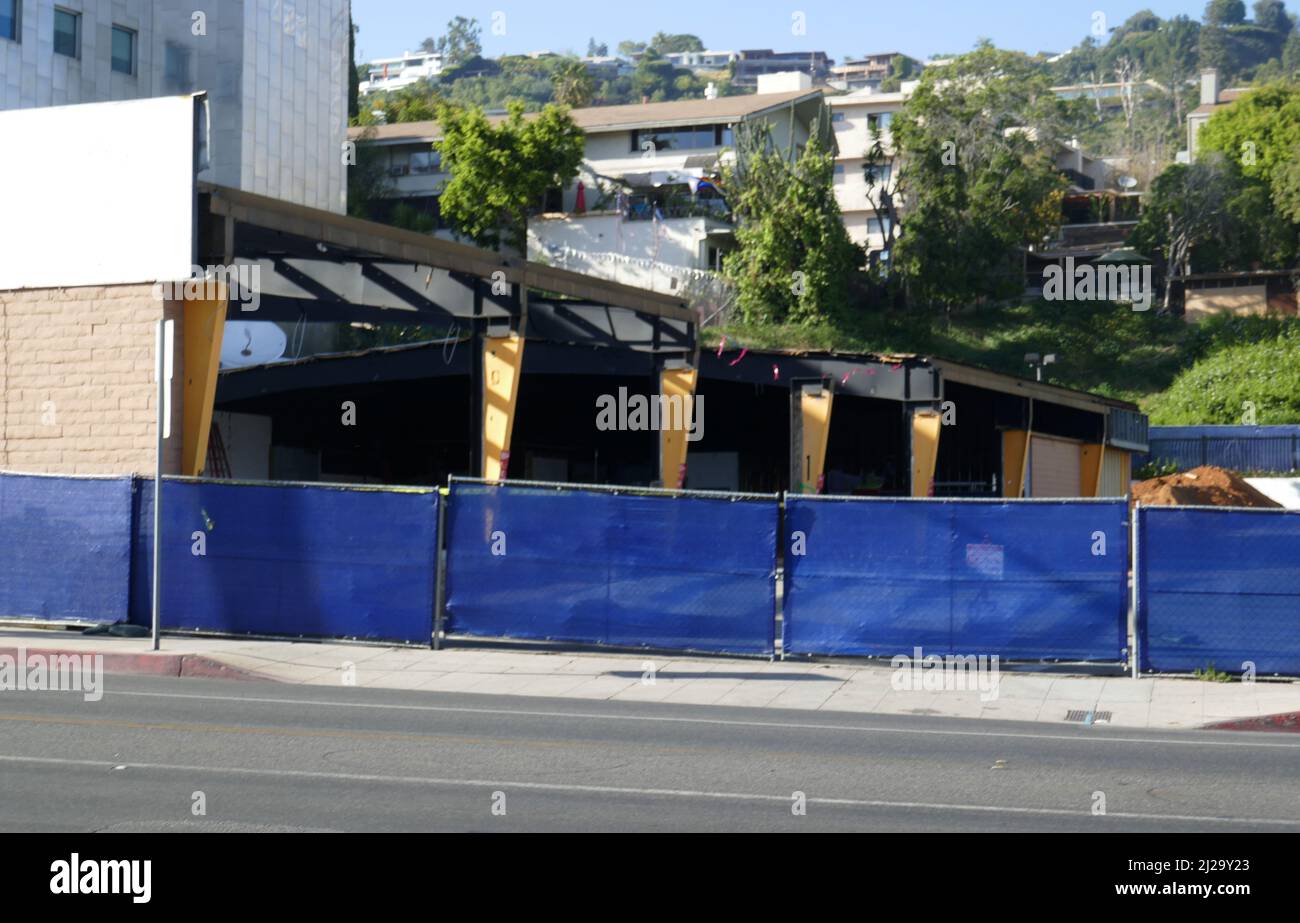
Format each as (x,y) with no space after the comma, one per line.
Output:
(1025,694)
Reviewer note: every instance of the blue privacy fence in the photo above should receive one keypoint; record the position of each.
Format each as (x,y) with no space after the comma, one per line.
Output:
(290,560)
(1241,448)
(1219,588)
(632,567)
(1024,580)
(621,567)
(65,548)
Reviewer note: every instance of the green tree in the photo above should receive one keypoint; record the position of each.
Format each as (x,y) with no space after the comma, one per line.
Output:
(499,173)
(462,41)
(1272,15)
(573,84)
(1225,12)
(673,44)
(977,147)
(1261,131)
(354,78)
(795,260)
(627,48)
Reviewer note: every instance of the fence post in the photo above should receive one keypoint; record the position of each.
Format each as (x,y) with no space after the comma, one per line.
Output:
(1135,618)
(778,577)
(440,569)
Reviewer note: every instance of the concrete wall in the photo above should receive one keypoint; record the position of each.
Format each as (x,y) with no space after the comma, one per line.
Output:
(77,394)
(1236,299)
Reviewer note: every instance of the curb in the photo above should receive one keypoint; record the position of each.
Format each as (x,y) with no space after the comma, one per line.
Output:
(189,665)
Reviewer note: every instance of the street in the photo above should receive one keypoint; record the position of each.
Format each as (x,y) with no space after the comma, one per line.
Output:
(164,754)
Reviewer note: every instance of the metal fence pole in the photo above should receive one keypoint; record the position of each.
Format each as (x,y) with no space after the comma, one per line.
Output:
(1134,616)
(440,567)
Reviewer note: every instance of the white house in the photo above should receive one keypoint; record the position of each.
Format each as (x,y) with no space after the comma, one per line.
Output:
(395,73)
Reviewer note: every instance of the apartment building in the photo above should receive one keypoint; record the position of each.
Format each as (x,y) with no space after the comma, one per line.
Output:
(867,72)
(757,62)
(647,208)
(275,73)
(394,73)
(860,120)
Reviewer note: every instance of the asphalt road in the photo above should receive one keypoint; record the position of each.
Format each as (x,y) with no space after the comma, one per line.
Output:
(275,757)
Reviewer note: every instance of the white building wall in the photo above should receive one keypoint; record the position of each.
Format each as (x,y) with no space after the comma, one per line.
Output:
(663,256)
(275,71)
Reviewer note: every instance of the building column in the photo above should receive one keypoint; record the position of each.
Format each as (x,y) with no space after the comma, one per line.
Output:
(810,430)
(926,426)
(503,359)
(202,330)
(676,389)
(1015,462)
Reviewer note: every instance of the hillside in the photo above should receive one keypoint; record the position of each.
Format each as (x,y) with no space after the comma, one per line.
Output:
(1102,348)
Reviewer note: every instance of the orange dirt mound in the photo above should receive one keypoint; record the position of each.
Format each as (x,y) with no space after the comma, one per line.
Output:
(1204,486)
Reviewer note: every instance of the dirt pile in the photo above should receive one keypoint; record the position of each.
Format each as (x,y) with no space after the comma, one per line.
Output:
(1204,486)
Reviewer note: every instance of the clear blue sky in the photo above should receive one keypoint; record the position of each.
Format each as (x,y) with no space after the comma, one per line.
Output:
(921,28)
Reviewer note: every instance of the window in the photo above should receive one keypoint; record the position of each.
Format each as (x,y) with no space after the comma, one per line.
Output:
(67,26)
(839,172)
(879,122)
(423,162)
(123,50)
(681,139)
(9,19)
(837,116)
(176,68)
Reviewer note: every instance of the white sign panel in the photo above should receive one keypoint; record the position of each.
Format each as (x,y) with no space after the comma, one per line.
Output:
(98,194)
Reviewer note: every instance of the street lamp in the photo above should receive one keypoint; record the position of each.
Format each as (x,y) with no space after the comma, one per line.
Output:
(1037,362)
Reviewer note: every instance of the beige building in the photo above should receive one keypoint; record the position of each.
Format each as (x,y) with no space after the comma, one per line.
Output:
(646,208)
(859,121)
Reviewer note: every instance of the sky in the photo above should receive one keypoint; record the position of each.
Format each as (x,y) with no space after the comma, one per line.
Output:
(920,28)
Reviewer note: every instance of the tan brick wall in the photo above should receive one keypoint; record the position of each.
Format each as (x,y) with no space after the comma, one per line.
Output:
(77,393)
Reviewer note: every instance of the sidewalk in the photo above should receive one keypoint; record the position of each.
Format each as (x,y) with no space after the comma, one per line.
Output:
(863,688)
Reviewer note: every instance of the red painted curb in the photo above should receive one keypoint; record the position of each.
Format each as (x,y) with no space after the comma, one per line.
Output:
(1286,723)
(193,665)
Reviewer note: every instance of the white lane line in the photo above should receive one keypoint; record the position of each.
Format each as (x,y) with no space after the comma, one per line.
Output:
(503,785)
(1199,741)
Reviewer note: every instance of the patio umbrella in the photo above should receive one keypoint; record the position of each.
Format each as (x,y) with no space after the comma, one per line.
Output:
(580,201)
(1123,256)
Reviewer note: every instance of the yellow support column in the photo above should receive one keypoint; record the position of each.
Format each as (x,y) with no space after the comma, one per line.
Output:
(1015,461)
(676,422)
(503,358)
(1090,465)
(203,326)
(926,425)
(816,410)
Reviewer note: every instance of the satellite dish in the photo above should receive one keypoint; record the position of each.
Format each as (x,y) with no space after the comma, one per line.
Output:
(248,343)
(1127,182)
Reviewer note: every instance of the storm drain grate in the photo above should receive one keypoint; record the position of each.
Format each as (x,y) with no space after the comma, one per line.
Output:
(1087,717)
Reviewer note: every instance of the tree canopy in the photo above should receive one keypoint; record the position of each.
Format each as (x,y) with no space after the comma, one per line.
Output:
(977,142)
(499,173)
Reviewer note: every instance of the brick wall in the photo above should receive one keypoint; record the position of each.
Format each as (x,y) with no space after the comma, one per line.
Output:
(76,381)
